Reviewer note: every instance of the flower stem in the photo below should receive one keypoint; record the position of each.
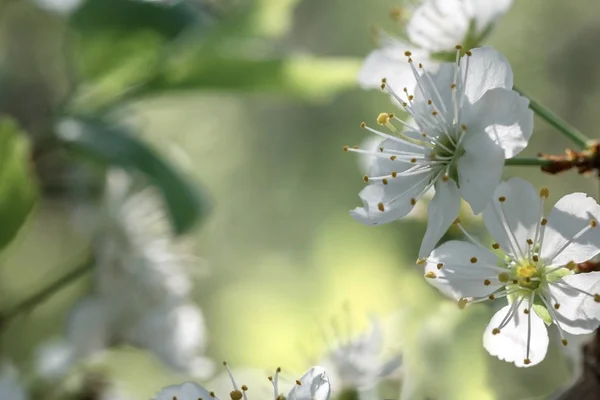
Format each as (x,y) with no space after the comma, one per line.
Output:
(38,298)
(527,162)
(550,117)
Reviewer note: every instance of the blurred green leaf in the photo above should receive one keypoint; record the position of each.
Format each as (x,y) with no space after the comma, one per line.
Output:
(115,145)
(18,190)
(305,77)
(272,18)
(120,43)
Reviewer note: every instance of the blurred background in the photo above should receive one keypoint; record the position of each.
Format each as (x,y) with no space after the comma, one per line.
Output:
(240,109)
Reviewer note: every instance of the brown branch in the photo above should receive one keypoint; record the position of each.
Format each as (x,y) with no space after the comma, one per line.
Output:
(584,161)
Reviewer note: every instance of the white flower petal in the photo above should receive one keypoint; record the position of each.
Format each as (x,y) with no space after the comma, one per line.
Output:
(480,171)
(88,326)
(504,116)
(185,391)
(457,276)
(389,63)
(54,358)
(488,69)
(511,343)
(442,210)
(520,213)
(438,25)
(314,385)
(570,215)
(434,83)
(578,313)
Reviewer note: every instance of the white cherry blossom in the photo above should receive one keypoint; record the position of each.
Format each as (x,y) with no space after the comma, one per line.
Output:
(531,266)
(431,33)
(313,385)
(467,121)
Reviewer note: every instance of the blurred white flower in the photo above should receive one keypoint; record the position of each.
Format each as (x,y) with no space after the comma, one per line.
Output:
(141,286)
(357,363)
(467,120)
(434,29)
(10,387)
(59,6)
(532,269)
(313,385)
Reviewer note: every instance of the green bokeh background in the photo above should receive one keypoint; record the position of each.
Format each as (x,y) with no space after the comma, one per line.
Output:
(283,253)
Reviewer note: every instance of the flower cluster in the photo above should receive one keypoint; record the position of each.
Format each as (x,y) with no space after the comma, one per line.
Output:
(313,385)
(463,120)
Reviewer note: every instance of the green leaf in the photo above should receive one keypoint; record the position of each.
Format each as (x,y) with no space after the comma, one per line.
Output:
(114,145)
(309,78)
(120,43)
(543,313)
(18,190)
(272,18)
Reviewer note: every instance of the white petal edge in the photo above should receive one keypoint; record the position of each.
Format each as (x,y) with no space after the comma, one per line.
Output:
(578,313)
(521,215)
(571,214)
(480,171)
(511,343)
(314,385)
(452,271)
(488,69)
(187,390)
(442,212)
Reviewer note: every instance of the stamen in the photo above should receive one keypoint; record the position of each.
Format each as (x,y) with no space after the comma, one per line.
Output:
(512,240)
(593,223)
(529,326)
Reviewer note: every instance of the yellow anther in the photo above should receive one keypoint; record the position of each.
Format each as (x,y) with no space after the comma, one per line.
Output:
(396,13)
(384,181)
(501,199)
(491,297)
(462,303)
(544,193)
(410,60)
(468,53)
(564,342)
(429,102)
(383,80)
(544,222)
(420,65)
(382,85)
(530,242)
(381,149)
(383,118)
(556,306)
(298,382)
(363,124)
(473,260)
(355,147)
(487,282)
(440,265)
(458,47)
(445,178)
(430,275)
(407,53)
(495,246)
(463,127)
(515,281)
(413,160)
(413,202)
(411,97)
(527,361)
(495,331)
(535,258)
(571,265)
(365,179)
(526,311)
(503,277)
(597,298)
(392,158)
(394,174)
(434,113)
(453,86)
(593,223)
(380,207)
(391,115)
(236,395)
(421,261)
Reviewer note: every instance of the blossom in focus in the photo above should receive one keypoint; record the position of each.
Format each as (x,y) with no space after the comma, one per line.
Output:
(435,27)
(10,387)
(467,121)
(313,385)
(531,266)
(356,364)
